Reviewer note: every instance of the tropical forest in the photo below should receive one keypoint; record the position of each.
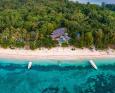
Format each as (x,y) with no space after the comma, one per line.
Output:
(31,22)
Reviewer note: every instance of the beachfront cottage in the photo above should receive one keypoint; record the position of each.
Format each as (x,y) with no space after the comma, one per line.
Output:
(60,35)
(57,33)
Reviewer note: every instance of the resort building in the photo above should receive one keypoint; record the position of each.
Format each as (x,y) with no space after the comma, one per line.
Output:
(60,35)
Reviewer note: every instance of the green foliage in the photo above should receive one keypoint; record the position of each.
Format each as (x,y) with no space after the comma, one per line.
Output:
(65,44)
(32,22)
(89,39)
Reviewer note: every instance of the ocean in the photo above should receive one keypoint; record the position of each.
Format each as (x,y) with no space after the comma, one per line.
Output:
(57,76)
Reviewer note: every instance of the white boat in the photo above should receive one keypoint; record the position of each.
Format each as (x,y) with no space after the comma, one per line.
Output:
(29,65)
(93,64)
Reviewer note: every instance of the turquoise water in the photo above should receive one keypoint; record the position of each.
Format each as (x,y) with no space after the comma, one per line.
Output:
(53,76)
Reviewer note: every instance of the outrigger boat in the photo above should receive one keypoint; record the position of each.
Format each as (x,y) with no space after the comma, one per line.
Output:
(29,65)
(93,64)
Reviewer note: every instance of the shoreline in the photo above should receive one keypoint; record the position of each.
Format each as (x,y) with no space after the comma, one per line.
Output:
(57,53)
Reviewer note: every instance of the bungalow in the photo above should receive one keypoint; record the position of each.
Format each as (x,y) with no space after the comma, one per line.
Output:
(63,39)
(57,33)
(78,35)
(60,35)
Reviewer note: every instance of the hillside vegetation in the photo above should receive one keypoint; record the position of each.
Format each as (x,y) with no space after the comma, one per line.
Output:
(31,22)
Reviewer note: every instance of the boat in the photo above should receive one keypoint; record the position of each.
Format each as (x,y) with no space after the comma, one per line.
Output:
(29,65)
(93,64)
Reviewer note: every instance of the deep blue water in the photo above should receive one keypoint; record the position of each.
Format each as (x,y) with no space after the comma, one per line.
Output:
(52,76)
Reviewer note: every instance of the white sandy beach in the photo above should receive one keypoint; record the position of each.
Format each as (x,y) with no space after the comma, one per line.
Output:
(56,53)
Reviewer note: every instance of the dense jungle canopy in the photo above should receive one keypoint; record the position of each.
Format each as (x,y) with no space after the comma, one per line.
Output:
(31,22)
